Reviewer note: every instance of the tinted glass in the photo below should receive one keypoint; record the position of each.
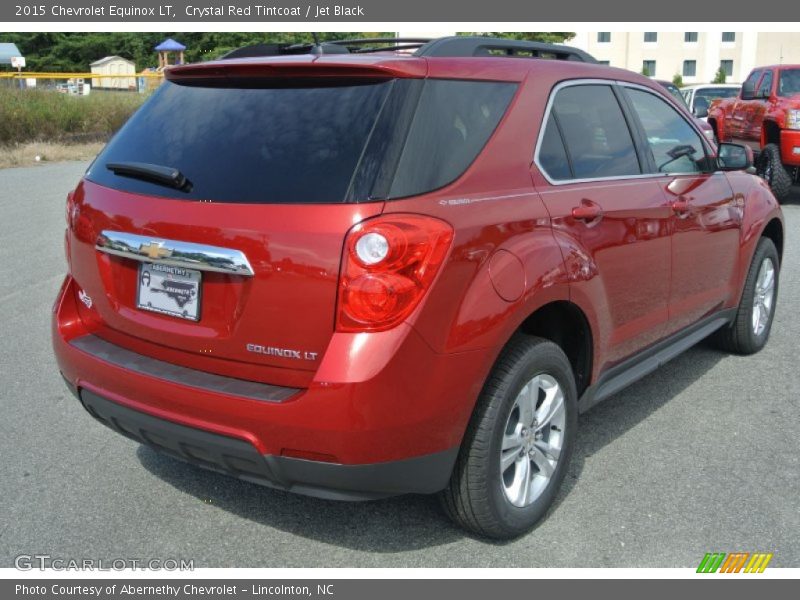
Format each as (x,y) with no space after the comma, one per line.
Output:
(689,68)
(596,135)
(728,36)
(754,77)
(453,122)
(650,36)
(690,36)
(552,156)
(265,145)
(765,87)
(674,144)
(789,82)
(714,93)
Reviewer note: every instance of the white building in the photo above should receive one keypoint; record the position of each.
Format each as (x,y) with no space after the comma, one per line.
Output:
(696,56)
(114,65)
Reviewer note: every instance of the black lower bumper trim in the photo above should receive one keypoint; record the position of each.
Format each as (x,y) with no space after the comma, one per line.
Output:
(421,475)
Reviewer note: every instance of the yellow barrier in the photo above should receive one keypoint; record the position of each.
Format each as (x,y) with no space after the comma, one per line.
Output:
(34,75)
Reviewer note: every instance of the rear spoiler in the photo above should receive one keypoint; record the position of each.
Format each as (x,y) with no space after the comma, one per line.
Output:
(299,67)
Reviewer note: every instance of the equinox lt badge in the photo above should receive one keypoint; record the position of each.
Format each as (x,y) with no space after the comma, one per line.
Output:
(282,352)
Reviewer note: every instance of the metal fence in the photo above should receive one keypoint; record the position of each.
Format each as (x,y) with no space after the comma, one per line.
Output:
(83,83)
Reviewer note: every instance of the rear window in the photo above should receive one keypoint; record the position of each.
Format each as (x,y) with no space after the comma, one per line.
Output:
(714,93)
(316,143)
(271,145)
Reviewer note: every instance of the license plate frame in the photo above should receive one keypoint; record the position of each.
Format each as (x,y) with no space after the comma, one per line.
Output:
(169,290)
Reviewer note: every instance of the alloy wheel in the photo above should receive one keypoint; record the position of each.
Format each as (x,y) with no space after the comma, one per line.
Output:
(532,440)
(763,296)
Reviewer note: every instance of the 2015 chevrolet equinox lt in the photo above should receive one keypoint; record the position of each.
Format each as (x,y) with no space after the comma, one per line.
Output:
(359,275)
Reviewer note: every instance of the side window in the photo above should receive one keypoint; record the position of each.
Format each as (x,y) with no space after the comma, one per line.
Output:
(552,155)
(674,144)
(753,78)
(766,85)
(596,136)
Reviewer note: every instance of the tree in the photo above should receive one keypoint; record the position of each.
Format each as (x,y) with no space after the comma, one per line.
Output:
(677,79)
(720,76)
(74,52)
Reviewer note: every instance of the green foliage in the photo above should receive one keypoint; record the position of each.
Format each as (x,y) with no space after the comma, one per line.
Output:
(645,71)
(677,79)
(536,36)
(45,115)
(74,52)
(720,76)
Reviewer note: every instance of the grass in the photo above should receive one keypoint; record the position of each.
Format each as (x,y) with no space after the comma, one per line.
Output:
(25,155)
(45,115)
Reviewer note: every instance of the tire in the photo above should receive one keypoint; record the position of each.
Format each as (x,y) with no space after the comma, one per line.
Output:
(770,168)
(743,336)
(481,494)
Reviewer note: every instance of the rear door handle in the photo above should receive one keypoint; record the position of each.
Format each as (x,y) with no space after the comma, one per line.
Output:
(587,211)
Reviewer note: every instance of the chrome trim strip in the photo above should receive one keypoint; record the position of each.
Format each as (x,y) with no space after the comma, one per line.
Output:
(174,253)
(151,367)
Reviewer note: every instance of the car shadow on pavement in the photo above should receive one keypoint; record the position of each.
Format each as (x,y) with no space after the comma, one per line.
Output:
(611,418)
(412,522)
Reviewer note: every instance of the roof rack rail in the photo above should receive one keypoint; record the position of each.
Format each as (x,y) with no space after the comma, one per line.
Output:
(473,46)
(354,46)
(454,46)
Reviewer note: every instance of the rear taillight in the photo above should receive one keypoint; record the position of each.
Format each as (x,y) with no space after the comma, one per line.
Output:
(69,209)
(389,264)
(70,216)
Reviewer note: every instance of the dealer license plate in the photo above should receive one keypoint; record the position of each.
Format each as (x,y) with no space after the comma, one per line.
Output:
(169,290)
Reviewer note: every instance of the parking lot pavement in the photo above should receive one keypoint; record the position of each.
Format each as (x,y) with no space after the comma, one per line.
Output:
(701,456)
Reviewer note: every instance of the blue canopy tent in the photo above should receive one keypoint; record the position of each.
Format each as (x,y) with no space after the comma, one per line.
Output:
(167,46)
(7,52)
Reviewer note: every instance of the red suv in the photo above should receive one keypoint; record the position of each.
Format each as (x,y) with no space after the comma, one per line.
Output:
(354,274)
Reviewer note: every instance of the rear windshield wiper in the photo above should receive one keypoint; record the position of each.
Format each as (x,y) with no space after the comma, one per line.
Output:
(166,176)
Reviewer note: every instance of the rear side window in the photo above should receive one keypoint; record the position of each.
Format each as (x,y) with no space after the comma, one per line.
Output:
(453,122)
(675,146)
(595,133)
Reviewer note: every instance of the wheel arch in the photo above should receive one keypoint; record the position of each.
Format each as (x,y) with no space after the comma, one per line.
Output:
(565,324)
(774,231)
(770,133)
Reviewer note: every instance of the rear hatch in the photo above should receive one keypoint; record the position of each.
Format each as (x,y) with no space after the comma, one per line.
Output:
(209,232)
(276,171)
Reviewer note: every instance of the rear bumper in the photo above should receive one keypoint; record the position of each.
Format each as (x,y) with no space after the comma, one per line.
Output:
(790,147)
(387,421)
(424,474)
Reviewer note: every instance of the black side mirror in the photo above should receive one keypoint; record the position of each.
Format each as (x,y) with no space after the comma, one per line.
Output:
(700,108)
(734,157)
(748,90)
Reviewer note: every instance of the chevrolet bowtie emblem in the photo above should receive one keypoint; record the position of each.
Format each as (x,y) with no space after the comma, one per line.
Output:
(154,250)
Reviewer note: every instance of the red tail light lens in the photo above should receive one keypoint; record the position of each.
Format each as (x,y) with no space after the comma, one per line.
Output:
(389,264)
